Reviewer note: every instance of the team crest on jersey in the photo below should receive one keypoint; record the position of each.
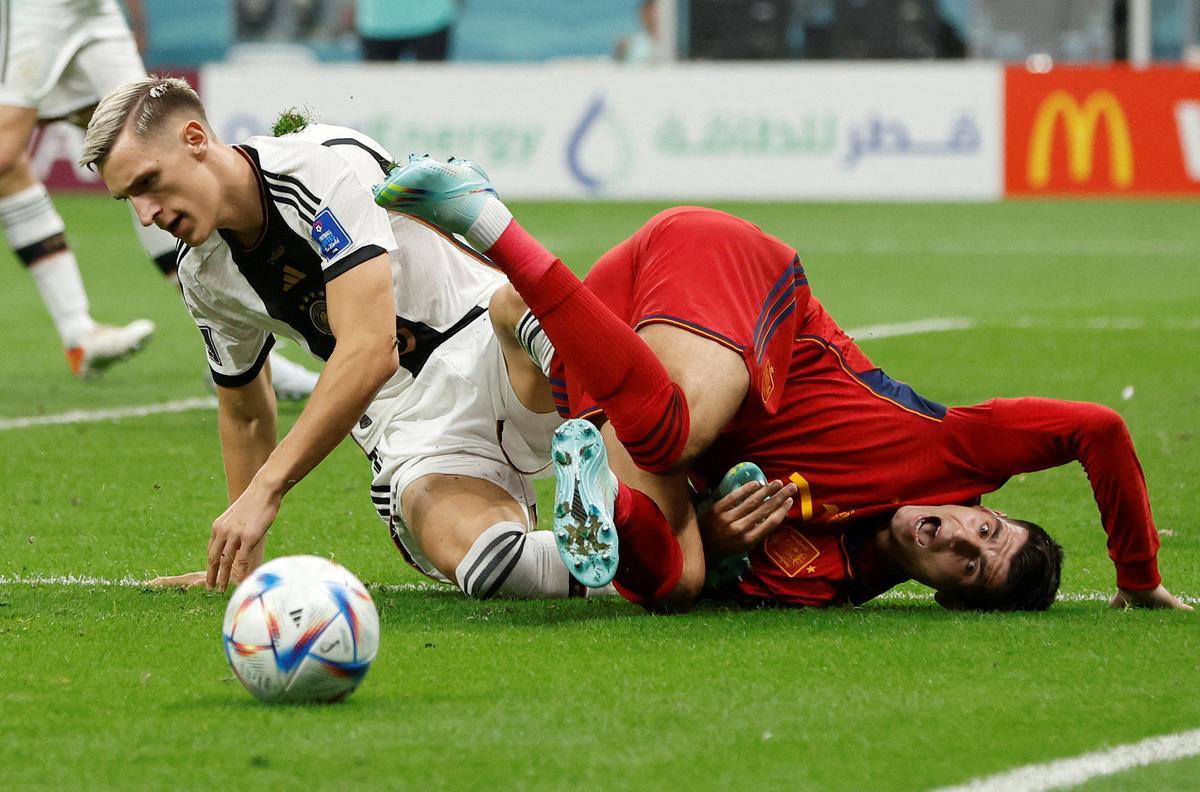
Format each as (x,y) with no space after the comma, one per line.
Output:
(768,381)
(791,551)
(318,314)
(329,234)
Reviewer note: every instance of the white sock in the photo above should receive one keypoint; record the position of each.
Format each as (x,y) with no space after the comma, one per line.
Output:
(490,224)
(507,561)
(35,231)
(535,342)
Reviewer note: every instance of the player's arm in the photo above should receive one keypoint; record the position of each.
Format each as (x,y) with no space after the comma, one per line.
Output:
(1040,433)
(246,419)
(362,317)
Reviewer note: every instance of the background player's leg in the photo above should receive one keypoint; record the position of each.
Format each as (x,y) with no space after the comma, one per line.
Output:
(475,533)
(35,231)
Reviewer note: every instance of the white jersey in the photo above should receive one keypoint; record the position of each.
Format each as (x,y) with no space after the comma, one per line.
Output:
(40,41)
(322,221)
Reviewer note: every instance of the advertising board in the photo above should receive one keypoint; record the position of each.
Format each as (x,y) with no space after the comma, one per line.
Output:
(738,131)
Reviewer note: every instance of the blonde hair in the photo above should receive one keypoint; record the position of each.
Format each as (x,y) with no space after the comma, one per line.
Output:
(140,104)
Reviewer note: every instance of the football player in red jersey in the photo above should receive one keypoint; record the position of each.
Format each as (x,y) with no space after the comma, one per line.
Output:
(698,343)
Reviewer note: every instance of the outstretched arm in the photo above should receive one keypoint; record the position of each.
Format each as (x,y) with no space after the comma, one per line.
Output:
(1043,433)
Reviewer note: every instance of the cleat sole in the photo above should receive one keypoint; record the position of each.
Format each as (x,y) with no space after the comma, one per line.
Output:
(583,527)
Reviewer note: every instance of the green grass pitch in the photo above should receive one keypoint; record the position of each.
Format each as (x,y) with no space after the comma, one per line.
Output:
(114,686)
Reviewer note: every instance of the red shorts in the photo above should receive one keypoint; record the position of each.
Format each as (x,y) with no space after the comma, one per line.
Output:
(715,275)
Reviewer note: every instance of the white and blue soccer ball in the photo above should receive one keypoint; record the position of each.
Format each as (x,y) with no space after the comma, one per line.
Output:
(301,629)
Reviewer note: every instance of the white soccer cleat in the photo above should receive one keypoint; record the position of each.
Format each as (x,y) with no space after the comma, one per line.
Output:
(291,381)
(106,345)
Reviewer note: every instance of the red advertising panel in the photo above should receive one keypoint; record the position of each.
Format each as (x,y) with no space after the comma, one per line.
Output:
(1102,131)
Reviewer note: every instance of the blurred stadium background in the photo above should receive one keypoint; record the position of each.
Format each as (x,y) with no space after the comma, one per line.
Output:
(719,99)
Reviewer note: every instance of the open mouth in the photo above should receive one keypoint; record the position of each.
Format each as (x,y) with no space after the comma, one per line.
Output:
(926,530)
(173,228)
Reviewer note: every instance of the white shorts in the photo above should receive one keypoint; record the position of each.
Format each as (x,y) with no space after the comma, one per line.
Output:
(448,425)
(57,72)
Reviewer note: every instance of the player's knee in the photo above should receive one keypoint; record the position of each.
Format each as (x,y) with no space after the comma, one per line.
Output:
(11,156)
(664,446)
(684,596)
(505,310)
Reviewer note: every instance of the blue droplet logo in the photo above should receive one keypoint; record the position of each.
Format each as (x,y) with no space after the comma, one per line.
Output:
(599,151)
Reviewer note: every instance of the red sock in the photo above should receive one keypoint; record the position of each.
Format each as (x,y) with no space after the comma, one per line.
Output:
(651,560)
(646,408)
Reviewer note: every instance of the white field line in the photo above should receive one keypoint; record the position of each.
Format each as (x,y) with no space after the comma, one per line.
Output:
(1075,771)
(1073,596)
(864,333)
(89,581)
(909,328)
(115,414)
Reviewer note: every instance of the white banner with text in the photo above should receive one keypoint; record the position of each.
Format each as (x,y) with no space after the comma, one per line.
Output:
(735,131)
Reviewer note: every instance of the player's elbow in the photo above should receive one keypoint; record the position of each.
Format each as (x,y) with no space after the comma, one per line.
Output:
(381,365)
(1102,421)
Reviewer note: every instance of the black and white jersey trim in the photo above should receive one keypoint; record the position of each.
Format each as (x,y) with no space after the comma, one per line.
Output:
(284,179)
(290,191)
(282,194)
(305,216)
(383,162)
(181,250)
(347,263)
(247,376)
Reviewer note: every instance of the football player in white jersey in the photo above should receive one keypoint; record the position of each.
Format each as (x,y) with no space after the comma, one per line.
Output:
(282,236)
(57,58)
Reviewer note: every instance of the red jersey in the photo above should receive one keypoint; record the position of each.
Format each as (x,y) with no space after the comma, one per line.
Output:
(858,443)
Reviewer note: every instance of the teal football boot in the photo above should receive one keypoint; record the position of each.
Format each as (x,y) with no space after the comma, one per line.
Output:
(725,572)
(451,194)
(585,493)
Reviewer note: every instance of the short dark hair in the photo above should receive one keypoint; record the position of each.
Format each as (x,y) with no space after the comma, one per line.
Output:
(1033,575)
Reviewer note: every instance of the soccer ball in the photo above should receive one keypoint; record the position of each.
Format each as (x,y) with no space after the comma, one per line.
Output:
(301,629)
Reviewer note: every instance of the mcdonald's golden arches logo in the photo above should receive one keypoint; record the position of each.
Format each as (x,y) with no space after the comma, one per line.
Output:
(1080,122)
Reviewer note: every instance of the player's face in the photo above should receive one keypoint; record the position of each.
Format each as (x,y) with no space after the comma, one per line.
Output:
(956,549)
(163,175)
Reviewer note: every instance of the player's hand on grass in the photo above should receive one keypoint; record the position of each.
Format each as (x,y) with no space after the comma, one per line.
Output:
(1150,598)
(185,581)
(744,517)
(236,547)
(192,579)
